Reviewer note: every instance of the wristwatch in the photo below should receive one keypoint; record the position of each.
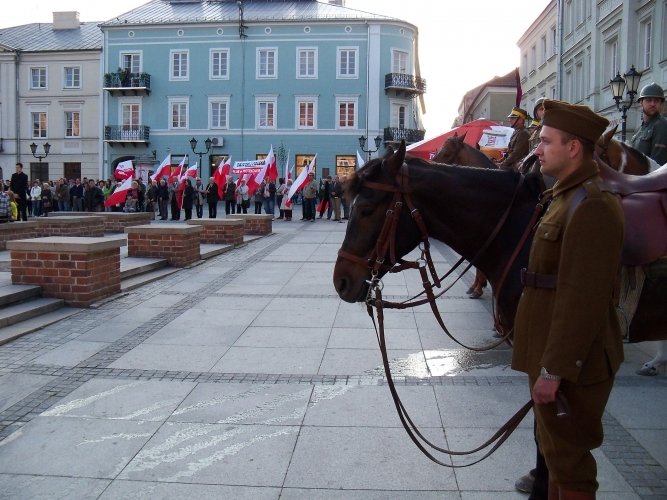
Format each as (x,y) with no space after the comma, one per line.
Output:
(548,376)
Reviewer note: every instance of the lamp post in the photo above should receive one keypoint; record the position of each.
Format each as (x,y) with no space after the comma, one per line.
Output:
(33,150)
(362,143)
(618,84)
(193,145)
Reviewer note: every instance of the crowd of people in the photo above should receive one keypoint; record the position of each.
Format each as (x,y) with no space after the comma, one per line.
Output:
(21,199)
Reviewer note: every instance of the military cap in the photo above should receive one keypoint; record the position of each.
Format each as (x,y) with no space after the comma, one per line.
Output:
(574,119)
(518,113)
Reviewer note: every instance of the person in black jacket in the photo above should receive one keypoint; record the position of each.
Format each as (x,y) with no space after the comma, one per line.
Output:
(19,185)
(94,197)
(212,198)
(163,199)
(188,198)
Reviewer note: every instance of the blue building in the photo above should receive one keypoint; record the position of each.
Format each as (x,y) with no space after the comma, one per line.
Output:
(307,77)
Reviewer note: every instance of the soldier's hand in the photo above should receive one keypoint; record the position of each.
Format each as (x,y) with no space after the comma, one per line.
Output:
(544,391)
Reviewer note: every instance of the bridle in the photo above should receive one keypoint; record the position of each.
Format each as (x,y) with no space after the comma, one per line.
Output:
(376,261)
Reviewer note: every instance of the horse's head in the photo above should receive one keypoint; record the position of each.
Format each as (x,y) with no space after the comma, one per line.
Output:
(619,155)
(451,150)
(380,228)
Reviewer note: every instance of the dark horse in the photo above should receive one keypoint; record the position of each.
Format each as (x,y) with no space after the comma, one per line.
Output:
(460,206)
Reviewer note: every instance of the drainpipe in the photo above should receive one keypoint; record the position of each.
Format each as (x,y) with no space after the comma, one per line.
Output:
(17,109)
(368,68)
(559,37)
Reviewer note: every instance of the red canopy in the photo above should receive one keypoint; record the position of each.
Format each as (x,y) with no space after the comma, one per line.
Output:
(427,148)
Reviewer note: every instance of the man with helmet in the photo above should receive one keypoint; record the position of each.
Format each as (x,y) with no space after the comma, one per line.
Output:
(517,149)
(651,138)
(538,113)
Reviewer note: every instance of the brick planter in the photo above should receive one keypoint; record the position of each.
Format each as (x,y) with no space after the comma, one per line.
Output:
(78,270)
(177,243)
(220,231)
(116,222)
(83,226)
(256,223)
(17,231)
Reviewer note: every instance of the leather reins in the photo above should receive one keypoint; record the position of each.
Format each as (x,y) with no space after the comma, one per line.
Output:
(376,261)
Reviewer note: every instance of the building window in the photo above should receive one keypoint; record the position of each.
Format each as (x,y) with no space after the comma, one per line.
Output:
(578,82)
(179,65)
(267,60)
(130,114)
(219,117)
(347,63)
(37,78)
(39,130)
(72,77)
(72,122)
(178,111)
(347,114)
(543,50)
(346,165)
(554,41)
(131,61)
(302,161)
(611,61)
(533,58)
(646,32)
(307,113)
(266,112)
(398,115)
(399,62)
(306,63)
(219,64)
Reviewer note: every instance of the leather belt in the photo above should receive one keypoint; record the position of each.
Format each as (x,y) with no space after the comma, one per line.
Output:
(538,280)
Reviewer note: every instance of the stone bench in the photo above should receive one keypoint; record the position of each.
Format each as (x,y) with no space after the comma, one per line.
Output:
(17,231)
(177,243)
(256,223)
(114,222)
(220,231)
(75,225)
(76,269)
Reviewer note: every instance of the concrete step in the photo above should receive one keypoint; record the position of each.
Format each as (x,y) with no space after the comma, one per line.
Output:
(133,266)
(12,332)
(137,280)
(12,294)
(15,313)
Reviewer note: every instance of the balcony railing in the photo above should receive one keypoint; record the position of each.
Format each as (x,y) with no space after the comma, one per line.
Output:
(127,135)
(406,84)
(127,83)
(397,134)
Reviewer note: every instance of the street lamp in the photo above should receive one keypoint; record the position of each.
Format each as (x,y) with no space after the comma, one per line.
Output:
(193,145)
(618,84)
(33,150)
(362,143)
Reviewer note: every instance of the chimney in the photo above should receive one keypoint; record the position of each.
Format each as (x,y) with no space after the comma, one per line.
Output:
(66,20)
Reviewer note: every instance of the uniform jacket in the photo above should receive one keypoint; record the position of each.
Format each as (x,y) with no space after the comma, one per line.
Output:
(651,139)
(19,184)
(573,330)
(517,149)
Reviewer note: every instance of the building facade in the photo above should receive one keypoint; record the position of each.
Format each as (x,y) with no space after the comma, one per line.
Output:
(492,100)
(305,77)
(50,94)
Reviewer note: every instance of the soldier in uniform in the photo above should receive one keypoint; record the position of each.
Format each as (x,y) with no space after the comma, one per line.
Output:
(651,138)
(536,125)
(566,332)
(517,149)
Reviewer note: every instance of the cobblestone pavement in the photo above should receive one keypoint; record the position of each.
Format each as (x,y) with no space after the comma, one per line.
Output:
(246,377)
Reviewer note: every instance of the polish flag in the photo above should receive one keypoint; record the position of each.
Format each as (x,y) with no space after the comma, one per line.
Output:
(120,194)
(124,170)
(220,175)
(302,180)
(176,174)
(272,168)
(288,172)
(190,172)
(163,169)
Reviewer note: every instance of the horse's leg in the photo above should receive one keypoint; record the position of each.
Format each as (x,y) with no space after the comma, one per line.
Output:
(474,283)
(479,285)
(651,367)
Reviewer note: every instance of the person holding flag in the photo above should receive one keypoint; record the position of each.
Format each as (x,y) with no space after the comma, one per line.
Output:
(163,169)
(119,195)
(286,203)
(212,198)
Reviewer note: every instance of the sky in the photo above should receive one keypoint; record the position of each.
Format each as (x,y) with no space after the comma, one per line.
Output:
(462,43)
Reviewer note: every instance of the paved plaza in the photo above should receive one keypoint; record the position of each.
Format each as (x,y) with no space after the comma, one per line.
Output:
(246,377)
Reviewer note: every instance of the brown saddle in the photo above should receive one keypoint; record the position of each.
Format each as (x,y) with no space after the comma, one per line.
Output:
(644,202)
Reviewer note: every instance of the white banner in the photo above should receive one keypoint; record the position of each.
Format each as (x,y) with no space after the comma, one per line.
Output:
(247,167)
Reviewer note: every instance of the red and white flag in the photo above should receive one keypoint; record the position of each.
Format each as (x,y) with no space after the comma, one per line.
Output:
(163,169)
(220,175)
(272,165)
(288,172)
(124,170)
(190,172)
(360,160)
(176,174)
(302,180)
(120,194)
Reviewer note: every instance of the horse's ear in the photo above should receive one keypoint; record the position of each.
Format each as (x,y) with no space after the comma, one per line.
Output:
(463,137)
(395,161)
(608,134)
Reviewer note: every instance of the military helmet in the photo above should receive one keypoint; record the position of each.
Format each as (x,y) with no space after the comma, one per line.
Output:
(652,90)
(538,103)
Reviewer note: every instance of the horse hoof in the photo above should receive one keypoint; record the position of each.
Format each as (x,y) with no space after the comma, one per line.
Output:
(647,370)
(470,290)
(476,294)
